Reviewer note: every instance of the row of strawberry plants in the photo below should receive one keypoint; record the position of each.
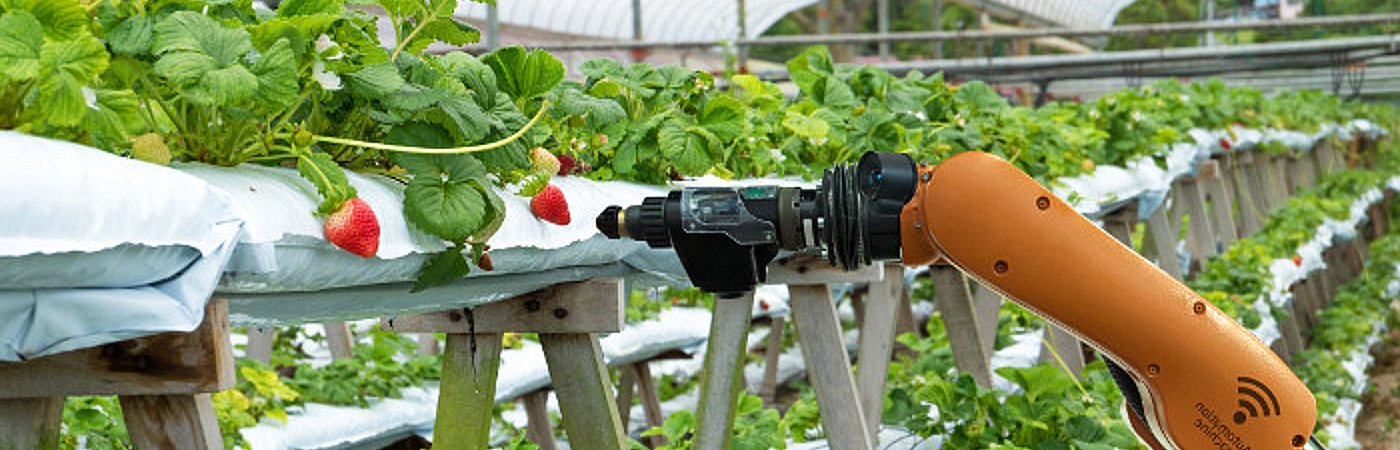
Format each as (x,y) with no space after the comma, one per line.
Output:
(311,86)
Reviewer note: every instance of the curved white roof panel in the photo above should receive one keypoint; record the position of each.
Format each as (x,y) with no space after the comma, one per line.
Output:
(1079,14)
(662,20)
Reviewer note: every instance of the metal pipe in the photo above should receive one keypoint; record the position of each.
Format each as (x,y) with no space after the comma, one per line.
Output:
(943,36)
(493,27)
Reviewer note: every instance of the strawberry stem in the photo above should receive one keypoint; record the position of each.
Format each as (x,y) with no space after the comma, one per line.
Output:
(544,106)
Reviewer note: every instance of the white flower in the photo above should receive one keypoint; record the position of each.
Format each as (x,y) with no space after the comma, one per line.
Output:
(90,97)
(1137,116)
(777,155)
(328,80)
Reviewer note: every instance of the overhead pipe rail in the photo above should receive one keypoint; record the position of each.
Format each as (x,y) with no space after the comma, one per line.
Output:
(988,35)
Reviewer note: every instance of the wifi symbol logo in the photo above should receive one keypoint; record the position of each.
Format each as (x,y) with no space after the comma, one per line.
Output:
(1255,399)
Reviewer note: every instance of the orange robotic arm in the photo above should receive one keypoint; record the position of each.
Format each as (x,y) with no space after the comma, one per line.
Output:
(1202,380)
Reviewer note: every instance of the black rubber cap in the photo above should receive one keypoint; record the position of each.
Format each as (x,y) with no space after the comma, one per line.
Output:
(607,222)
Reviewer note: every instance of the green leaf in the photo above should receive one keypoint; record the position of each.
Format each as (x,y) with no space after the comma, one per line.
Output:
(20,42)
(525,75)
(804,126)
(65,69)
(599,112)
(277,77)
(691,149)
(329,179)
(473,73)
(132,36)
(449,209)
(224,86)
(445,30)
(442,268)
(376,80)
(186,31)
(185,69)
(62,19)
(292,8)
(723,116)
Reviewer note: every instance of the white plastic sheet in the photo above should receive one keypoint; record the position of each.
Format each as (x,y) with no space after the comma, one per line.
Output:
(95,248)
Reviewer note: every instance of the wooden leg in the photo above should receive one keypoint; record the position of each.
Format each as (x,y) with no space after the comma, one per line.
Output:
(172,422)
(1246,197)
(954,303)
(259,346)
(30,423)
(468,391)
(719,383)
(1203,237)
(905,322)
(339,340)
(428,344)
(876,344)
(771,353)
(1221,205)
(1164,236)
(651,401)
(626,385)
(537,427)
(829,367)
(585,391)
(988,305)
(1062,349)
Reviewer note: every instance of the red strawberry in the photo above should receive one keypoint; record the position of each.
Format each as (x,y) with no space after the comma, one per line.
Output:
(567,164)
(543,161)
(1297,260)
(763,305)
(354,228)
(1225,143)
(551,206)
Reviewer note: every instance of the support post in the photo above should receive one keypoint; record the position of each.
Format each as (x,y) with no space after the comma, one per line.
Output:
(771,352)
(428,344)
(259,347)
(1164,236)
(537,427)
(877,343)
(1202,236)
(954,303)
(1222,204)
(339,340)
(719,383)
(829,367)
(172,422)
(31,423)
(651,402)
(581,382)
(1246,195)
(468,391)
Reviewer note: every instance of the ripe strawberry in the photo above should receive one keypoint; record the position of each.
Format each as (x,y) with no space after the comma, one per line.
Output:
(1225,144)
(1297,260)
(567,164)
(551,206)
(543,161)
(354,228)
(763,305)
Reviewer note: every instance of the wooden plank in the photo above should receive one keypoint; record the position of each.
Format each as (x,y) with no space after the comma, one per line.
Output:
(1302,304)
(1249,214)
(1062,349)
(954,303)
(1221,203)
(987,303)
(259,347)
(651,401)
(719,381)
(829,367)
(772,350)
(468,391)
(167,363)
(877,344)
(806,268)
(1278,177)
(339,339)
(537,427)
(626,385)
(27,423)
(585,391)
(905,322)
(593,306)
(1202,236)
(428,344)
(171,422)
(1305,171)
(1164,237)
(1292,334)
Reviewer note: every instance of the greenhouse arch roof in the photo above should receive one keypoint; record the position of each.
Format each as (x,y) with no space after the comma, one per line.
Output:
(1063,13)
(662,20)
